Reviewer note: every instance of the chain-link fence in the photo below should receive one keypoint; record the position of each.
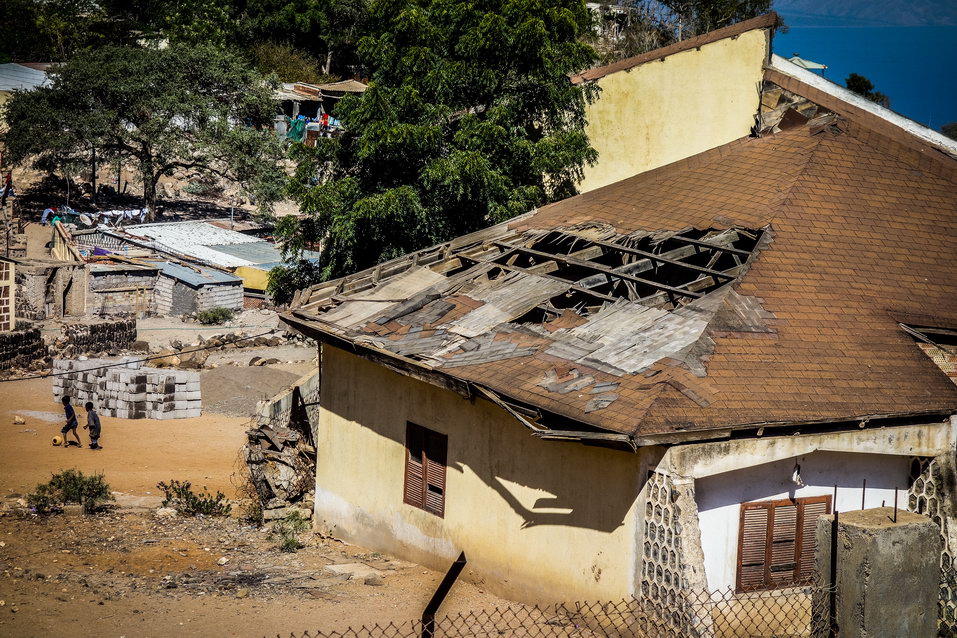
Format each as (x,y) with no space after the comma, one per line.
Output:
(784,613)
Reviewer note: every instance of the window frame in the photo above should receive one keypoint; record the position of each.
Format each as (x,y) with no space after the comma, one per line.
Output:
(799,545)
(433,455)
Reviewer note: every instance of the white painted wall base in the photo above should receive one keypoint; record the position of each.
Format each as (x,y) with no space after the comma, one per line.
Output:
(719,496)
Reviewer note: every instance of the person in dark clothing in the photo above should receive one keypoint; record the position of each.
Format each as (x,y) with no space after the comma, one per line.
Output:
(71,424)
(93,425)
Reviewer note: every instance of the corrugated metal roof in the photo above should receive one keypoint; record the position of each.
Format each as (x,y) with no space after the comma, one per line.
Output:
(197,276)
(194,239)
(257,254)
(16,76)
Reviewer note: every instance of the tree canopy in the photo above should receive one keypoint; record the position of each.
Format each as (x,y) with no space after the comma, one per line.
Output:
(182,107)
(864,87)
(470,119)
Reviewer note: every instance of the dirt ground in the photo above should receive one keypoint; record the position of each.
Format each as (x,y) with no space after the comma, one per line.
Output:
(126,573)
(136,454)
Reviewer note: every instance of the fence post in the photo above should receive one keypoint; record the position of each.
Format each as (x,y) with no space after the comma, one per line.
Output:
(428,616)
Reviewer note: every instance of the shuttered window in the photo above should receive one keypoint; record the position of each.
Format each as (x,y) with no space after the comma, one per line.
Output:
(425,458)
(776,542)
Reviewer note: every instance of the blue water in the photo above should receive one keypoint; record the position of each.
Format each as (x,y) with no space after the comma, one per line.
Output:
(914,66)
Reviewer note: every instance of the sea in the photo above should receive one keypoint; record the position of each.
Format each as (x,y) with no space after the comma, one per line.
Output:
(913,66)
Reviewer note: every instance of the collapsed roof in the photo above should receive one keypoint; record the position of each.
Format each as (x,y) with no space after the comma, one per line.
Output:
(760,282)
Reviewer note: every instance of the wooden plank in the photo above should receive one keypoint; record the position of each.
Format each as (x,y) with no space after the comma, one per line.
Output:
(705,244)
(663,259)
(571,261)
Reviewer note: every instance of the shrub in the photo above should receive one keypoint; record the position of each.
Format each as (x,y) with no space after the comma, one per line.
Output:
(180,496)
(70,486)
(287,531)
(214,316)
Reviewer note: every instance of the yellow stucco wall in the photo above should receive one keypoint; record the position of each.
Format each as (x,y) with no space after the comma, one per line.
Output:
(254,278)
(666,110)
(538,520)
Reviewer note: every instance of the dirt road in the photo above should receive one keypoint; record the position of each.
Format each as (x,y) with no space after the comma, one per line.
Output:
(136,454)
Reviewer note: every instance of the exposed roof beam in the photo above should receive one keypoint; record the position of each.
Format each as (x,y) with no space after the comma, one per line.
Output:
(609,272)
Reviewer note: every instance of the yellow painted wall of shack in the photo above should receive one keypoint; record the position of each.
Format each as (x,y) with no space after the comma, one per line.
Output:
(666,110)
(537,520)
(254,278)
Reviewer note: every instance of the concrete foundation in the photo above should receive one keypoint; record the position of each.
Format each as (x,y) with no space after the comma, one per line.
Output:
(887,573)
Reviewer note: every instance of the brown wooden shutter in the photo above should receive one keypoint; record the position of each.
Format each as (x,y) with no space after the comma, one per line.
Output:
(435,452)
(414,467)
(782,562)
(814,508)
(752,545)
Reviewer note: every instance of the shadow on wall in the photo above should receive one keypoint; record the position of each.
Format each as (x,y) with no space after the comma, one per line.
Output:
(819,471)
(544,483)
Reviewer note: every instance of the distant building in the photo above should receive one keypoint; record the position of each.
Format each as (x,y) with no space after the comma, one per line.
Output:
(183,289)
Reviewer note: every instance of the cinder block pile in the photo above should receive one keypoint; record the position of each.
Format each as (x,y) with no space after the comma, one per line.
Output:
(128,390)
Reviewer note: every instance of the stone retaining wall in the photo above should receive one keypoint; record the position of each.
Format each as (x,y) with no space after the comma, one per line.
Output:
(21,348)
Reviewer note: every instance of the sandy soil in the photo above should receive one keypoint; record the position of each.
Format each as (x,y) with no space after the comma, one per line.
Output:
(126,573)
(136,454)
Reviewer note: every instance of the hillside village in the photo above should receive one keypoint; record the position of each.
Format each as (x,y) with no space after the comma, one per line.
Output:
(710,391)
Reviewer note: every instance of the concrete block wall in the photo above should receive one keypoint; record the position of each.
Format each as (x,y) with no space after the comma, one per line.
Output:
(220,296)
(173,297)
(128,390)
(163,296)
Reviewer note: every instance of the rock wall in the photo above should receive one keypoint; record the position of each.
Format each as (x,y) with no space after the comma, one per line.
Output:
(107,336)
(22,349)
(122,292)
(127,390)
(281,453)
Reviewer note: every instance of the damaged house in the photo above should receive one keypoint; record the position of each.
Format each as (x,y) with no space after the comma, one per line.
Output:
(661,384)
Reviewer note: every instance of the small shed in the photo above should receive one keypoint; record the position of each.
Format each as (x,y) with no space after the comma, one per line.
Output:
(182,289)
(121,287)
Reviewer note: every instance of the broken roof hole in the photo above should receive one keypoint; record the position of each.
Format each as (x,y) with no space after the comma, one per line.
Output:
(664,271)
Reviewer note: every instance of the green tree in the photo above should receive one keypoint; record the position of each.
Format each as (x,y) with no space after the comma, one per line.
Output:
(470,119)
(328,29)
(864,87)
(286,62)
(185,107)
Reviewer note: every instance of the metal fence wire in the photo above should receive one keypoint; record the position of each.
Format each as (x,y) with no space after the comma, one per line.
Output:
(783,613)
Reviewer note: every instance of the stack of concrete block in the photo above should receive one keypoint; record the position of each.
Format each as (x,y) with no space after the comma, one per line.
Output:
(128,390)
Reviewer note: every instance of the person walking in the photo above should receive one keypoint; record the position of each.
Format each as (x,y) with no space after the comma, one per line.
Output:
(93,425)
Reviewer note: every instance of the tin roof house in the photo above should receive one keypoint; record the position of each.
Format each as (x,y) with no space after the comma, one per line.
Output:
(643,378)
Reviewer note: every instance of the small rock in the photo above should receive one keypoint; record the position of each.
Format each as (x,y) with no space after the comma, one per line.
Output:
(18,420)
(242,592)
(165,513)
(222,561)
(255,361)
(374,580)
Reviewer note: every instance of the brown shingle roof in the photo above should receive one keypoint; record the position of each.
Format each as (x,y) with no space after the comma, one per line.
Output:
(863,228)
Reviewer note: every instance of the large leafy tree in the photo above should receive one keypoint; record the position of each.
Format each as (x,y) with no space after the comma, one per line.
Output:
(196,108)
(470,119)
